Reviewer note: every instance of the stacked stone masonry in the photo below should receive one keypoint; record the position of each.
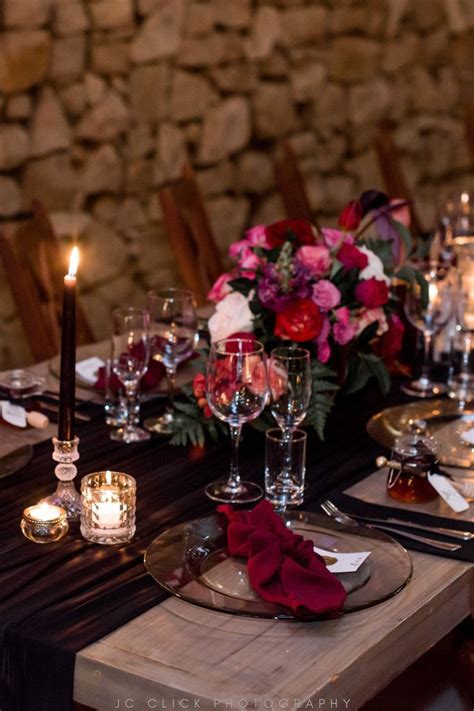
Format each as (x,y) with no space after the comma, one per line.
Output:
(101,101)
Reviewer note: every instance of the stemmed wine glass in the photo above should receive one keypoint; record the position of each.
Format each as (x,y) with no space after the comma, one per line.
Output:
(290,388)
(428,312)
(174,333)
(462,385)
(236,390)
(130,356)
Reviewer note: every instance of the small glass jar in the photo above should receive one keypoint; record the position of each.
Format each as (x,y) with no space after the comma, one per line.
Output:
(416,454)
(44,523)
(108,507)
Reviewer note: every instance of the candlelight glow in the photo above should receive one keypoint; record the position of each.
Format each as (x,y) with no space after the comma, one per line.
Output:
(73,262)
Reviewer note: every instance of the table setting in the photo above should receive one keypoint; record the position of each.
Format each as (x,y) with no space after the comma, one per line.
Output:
(255,472)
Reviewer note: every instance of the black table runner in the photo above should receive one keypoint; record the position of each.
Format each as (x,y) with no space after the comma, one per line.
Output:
(58,598)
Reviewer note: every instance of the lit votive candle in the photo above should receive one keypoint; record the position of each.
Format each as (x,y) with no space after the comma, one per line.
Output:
(44,523)
(108,507)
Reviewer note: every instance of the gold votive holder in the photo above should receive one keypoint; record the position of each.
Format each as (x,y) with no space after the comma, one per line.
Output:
(44,523)
(108,507)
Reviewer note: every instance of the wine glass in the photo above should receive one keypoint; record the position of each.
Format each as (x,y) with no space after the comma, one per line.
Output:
(174,333)
(236,391)
(130,356)
(290,389)
(462,385)
(428,311)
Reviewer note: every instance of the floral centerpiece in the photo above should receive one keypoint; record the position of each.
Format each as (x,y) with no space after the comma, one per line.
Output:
(329,290)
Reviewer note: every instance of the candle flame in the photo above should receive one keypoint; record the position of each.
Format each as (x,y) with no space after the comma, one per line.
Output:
(73,262)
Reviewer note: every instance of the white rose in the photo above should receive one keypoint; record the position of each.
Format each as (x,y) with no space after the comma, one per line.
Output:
(374,268)
(232,315)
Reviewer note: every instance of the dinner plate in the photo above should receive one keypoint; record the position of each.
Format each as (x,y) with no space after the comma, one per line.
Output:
(191,561)
(444,419)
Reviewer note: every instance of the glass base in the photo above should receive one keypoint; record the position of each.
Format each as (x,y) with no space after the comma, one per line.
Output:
(128,437)
(68,498)
(245,493)
(423,388)
(164,425)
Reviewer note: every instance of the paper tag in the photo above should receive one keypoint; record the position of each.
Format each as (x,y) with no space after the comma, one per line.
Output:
(342,562)
(447,492)
(13,414)
(88,369)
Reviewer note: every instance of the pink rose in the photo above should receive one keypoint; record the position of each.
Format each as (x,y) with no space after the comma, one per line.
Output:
(326,295)
(334,238)
(368,316)
(315,259)
(248,262)
(236,248)
(257,236)
(220,288)
(343,331)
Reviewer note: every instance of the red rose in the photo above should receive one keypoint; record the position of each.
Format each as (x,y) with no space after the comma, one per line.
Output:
(248,344)
(278,233)
(300,321)
(350,217)
(351,257)
(390,343)
(372,293)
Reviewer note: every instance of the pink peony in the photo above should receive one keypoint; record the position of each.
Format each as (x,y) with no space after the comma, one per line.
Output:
(372,293)
(326,295)
(343,331)
(236,248)
(220,288)
(334,238)
(257,236)
(315,259)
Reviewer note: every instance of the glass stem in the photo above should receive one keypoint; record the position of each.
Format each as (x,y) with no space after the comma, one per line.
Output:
(286,442)
(234,478)
(465,370)
(426,363)
(171,381)
(131,391)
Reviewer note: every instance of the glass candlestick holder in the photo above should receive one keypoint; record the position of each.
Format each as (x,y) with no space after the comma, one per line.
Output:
(66,453)
(44,523)
(108,507)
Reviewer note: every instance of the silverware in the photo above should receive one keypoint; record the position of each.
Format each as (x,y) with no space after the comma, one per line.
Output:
(331,510)
(50,407)
(451,532)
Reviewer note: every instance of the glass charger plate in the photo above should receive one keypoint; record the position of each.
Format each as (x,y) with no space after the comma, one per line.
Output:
(191,562)
(444,419)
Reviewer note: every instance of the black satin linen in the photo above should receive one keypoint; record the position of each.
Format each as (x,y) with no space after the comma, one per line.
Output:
(56,599)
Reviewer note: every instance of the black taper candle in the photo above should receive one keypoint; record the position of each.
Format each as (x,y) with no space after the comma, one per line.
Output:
(67,389)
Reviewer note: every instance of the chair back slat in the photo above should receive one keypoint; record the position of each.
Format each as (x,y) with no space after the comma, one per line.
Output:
(394,179)
(36,327)
(290,183)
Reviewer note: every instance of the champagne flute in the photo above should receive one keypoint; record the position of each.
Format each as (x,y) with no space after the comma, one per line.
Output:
(174,334)
(429,318)
(236,390)
(290,388)
(130,356)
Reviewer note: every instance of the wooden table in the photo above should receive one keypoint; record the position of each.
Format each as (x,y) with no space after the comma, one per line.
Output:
(180,656)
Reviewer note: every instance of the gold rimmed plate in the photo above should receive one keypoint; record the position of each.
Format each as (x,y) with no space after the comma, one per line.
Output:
(191,561)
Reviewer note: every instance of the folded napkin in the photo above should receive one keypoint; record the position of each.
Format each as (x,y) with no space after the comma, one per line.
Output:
(150,380)
(283,567)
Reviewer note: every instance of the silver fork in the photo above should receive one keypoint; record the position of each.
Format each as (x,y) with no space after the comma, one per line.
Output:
(331,510)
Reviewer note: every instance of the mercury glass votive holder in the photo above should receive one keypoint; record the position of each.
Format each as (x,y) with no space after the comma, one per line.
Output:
(44,523)
(108,507)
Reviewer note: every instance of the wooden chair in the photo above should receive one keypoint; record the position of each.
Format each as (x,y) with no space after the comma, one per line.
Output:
(35,273)
(290,183)
(190,234)
(394,179)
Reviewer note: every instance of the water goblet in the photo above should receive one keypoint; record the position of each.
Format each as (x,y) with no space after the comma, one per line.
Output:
(130,356)
(174,333)
(290,389)
(428,311)
(236,390)
(462,383)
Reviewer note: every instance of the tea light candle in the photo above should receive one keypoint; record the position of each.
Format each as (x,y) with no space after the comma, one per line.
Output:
(108,507)
(44,523)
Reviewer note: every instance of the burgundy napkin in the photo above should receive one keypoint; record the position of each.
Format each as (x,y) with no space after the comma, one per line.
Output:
(282,566)
(150,380)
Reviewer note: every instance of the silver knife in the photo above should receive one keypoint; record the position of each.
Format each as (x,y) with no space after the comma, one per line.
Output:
(450,532)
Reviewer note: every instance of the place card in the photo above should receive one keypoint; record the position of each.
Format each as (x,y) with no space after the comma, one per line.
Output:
(447,492)
(13,414)
(342,562)
(88,369)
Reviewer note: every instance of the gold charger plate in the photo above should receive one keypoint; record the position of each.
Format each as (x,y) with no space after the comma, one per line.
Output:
(443,418)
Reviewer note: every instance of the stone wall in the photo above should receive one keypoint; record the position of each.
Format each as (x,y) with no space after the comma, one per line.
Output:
(102,100)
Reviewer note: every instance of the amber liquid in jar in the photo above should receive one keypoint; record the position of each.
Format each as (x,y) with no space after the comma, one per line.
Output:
(409,486)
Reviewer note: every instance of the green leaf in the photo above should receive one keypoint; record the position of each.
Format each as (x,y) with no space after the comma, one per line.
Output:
(378,369)
(405,235)
(359,378)
(242,285)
